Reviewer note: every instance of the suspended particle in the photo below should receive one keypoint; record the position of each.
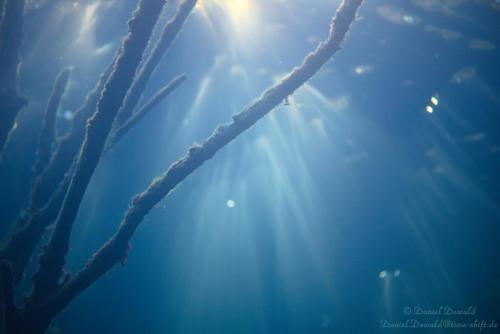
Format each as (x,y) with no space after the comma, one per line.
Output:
(429,109)
(434,101)
(409,19)
(68,115)
(397,273)
(230,203)
(362,69)
(382,274)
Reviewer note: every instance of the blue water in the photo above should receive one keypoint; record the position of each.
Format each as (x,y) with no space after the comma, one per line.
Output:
(332,214)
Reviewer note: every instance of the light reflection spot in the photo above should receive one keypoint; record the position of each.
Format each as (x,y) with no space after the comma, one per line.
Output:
(68,115)
(409,19)
(362,69)
(382,274)
(434,100)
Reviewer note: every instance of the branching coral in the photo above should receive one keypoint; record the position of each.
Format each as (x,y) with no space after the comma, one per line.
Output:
(31,226)
(49,188)
(48,180)
(51,294)
(115,250)
(98,127)
(47,135)
(11,36)
(23,241)
(168,35)
(43,201)
(117,134)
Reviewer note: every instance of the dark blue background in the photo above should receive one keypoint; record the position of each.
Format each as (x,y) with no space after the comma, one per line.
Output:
(352,179)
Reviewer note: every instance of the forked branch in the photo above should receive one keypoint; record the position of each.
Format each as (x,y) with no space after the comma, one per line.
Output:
(115,250)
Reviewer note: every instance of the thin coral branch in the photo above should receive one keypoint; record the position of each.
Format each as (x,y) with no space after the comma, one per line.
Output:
(31,226)
(52,184)
(23,241)
(49,188)
(67,149)
(47,135)
(11,37)
(98,127)
(115,250)
(7,296)
(144,111)
(168,35)
(48,192)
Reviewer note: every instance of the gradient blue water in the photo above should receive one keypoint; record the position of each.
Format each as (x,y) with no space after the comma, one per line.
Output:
(329,196)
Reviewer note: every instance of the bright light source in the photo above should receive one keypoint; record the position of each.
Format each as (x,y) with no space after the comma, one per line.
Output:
(241,13)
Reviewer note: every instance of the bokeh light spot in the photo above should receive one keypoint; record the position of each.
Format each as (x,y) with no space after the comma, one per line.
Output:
(434,100)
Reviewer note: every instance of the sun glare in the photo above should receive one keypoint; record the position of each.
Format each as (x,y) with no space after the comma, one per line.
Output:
(241,13)
(237,9)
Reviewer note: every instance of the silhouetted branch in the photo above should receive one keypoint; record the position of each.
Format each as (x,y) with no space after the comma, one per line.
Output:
(47,193)
(98,127)
(168,35)
(47,135)
(67,149)
(11,36)
(23,241)
(31,226)
(7,296)
(117,134)
(115,250)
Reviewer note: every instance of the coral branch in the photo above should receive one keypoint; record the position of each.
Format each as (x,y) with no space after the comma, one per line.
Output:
(47,134)
(115,250)
(11,36)
(67,149)
(32,226)
(98,127)
(47,193)
(168,35)
(23,241)
(144,111)
(49,188)
(7,295)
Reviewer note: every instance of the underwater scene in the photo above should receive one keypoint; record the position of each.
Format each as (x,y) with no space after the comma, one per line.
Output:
(249,166)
